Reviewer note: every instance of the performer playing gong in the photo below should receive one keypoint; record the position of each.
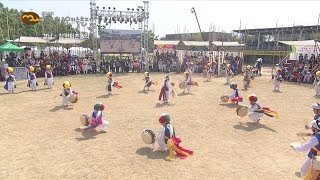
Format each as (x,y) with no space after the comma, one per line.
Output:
(164,93)
(187,81)
(65,94)
(255,108)
(148,80)
(313,146)
(32,79)
(48,76)
(96,119)
(10,80)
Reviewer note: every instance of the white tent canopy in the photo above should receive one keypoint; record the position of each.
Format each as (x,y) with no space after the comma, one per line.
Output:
(157,42)
(196,43)
(229,44)
(25,39)
(300,43)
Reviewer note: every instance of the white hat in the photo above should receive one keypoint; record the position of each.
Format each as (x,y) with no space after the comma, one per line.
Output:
(315,124)
(315,106)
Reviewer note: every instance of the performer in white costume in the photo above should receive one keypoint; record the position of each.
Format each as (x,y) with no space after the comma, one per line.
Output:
(255,108)
(10,80)
(32,79)
(317,83)
(209,72)
(48,76)
(65,94)
(96,119)
(148,81)
(188,82)
(313,146)
(229,73)
(164,135)
(277,80)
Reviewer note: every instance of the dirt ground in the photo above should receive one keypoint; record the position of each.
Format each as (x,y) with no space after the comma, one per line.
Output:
(39,140)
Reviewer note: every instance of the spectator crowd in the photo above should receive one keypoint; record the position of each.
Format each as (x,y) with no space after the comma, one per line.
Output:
(301,71)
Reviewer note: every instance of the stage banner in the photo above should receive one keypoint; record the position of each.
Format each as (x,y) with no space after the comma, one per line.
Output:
(164,46)
(120,41)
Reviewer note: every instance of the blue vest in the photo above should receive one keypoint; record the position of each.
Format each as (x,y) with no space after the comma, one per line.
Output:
(167,132)
(312,151)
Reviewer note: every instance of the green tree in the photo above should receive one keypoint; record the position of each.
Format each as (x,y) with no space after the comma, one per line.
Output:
(151,39)
(11,26)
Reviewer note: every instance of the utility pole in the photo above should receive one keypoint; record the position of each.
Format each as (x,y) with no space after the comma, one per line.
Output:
(194,12)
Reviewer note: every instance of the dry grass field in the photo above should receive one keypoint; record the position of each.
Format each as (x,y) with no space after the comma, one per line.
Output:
(39,140)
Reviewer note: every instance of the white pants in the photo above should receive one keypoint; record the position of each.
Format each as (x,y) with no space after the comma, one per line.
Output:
(277,85)
(33,84)
(167,96)
(255,116)
(188,88)
(305,167)
(49,82)
(104,125)
(317,89)
(146,86)
(65,100)
(161,143)
(10,87)
(245,84)
(228,79)
(208,76)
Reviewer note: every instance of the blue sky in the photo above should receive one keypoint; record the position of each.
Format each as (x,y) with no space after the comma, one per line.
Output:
(166,16)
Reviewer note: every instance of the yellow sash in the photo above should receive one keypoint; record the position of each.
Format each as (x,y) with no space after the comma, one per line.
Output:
(171,131)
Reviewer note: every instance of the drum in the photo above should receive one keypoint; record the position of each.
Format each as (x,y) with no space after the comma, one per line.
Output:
(225,98)
(148,136)
(316,163)
(84,119)
(242,111)
(73,98)
(182,85)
